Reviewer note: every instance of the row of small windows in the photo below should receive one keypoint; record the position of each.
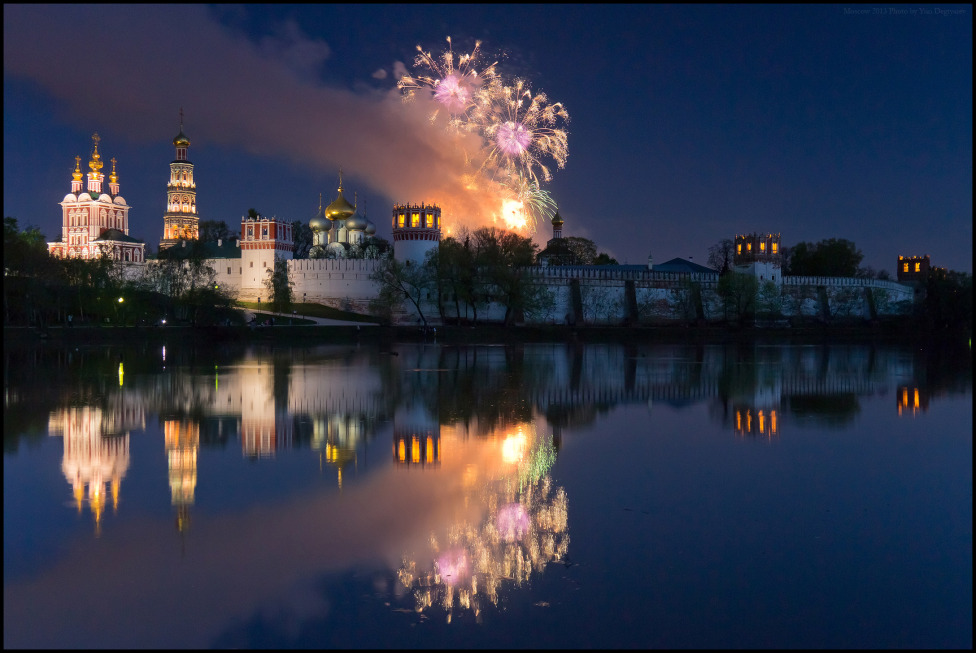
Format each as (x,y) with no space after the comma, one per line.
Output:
(430,220)
(918,267)
(762,247)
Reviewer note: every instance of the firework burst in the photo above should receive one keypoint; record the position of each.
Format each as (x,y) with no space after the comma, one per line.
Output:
(523,131)
(513,137)
(457,83)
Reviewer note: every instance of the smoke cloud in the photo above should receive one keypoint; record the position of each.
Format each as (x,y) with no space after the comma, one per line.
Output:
(262,97)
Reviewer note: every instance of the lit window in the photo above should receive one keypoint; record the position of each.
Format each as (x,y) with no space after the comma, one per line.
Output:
(762,246)
(748,247)
(918,267)
(775,247)
(430,220)
(415,220)
(401,220)
(738,248)
(905,268)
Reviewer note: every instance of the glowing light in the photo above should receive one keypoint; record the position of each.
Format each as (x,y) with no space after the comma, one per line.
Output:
(513,214)
(120,374)
(513,448)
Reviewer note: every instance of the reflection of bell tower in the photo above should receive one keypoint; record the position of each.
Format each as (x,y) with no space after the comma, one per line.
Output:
(90,458)
(182,444)
(335,437)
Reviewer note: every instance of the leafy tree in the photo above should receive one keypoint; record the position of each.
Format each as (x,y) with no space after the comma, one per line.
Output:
(457,274)
(24,252)
(573,250)
(401,282)
(770,299)
(604,259)
(948,301)
(738,292)
(832,257)
(501,257)
(279,286)
(720,255)
(302,235)
(214,230)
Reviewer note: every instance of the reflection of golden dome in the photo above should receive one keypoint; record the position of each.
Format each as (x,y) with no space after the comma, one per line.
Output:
(340,209)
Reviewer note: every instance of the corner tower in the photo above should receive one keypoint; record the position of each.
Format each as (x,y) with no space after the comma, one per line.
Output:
(759,254)
(180,222)
(416,230)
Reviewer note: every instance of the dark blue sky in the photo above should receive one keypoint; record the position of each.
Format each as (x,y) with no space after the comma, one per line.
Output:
(687,124)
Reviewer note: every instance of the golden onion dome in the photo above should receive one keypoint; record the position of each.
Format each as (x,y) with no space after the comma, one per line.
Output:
(340,209)
(557,221)
(76,175)
(181,140)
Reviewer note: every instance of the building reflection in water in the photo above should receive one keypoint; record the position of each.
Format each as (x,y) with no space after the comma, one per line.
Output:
(911,401)
(182,440)
(524,526)
(757,423)
(96,450)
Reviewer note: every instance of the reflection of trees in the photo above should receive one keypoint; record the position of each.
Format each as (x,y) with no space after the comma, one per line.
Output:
(832,410)
(525,527)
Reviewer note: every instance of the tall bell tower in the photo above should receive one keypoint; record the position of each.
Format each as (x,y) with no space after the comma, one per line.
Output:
(180,222)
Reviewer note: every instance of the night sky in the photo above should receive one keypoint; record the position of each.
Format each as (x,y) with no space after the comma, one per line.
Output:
(687,124)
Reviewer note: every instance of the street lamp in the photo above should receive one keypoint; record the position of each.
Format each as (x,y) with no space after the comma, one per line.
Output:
(121,300)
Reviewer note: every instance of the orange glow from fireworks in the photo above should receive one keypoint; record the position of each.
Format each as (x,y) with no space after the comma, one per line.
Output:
(513,214)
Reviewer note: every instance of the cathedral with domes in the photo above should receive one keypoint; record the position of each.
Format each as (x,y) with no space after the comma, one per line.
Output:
(95,219)
(340,230)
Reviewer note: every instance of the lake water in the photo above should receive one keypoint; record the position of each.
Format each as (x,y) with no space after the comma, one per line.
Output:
(544,495)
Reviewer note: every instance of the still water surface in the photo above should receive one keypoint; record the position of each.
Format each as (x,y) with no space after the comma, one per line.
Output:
(546,495)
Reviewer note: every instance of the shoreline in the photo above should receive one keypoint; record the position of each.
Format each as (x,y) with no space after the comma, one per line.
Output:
(484,334)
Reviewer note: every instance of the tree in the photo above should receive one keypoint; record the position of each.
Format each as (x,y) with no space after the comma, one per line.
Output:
(720,255)
(502,258)
(738,292)
(604,259)
(573,250)
(401,282)
(279,286)
(214,230)
(832,257)
(302,235)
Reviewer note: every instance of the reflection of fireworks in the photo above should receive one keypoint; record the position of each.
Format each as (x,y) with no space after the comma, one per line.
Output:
(454,82)
(526,529)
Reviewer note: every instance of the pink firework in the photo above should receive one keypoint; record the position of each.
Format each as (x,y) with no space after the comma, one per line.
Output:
(513,139)
(525,132)
(453,94)
(453,81)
